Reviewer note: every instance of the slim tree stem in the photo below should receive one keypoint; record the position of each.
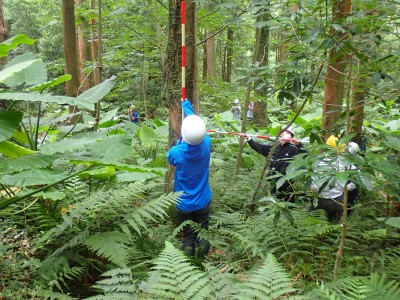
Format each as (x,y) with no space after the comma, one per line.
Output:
(339,254)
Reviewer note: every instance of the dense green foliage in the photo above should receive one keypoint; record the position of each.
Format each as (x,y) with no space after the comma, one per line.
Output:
(85,214)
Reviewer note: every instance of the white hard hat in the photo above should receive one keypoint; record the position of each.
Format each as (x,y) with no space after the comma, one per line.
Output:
(193,130)
(236,101)
(290,130)
(353,148)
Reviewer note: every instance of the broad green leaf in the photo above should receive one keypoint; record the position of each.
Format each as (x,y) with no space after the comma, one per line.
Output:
(13,150)
(13,43)
(341,178)
(35,97)
(95,94)
(112,149)
(27,162)
(109,115)
(51,83)
(32,177)
(21,137)
(107,119)
(101,173)
(393,142)
(297,85)
(339,28)
(9,121)
(365,181)
(394,222)
(147,136)
(393,125)
(54,195)
(377,77)
(313,35)
(158,123)
(33,74)
(73,144)
(135,176)
(13,70)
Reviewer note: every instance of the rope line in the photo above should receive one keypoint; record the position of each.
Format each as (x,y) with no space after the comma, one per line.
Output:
(240,134)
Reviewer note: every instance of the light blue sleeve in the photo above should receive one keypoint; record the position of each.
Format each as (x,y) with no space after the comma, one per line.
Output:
(187,108)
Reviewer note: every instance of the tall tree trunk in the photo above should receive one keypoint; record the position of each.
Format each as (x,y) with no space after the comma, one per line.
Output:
(173,70)
(335,75)
(211,55)
(70,52)
(250,87)
(260,107)
(97,56)
(3,37)
(3,31)
(204,74)
(359,91)
(191,55)
(229,55)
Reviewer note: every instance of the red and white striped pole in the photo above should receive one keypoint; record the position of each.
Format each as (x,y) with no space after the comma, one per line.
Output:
(183,97)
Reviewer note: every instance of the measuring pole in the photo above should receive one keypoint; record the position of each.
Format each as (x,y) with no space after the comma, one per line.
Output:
(183,32)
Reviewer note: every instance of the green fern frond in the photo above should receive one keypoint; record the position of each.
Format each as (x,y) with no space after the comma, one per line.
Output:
(109,245)
(76,240)
(173,277)
(271,281)
(119,285)
(113,296)
(381,289)
(322,293)
(222,282)
(138,218)
(103,206)
(50,295)
(359,288)
(68,273)
(76,189)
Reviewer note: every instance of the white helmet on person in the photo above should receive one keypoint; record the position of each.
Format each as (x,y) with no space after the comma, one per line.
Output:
(193,130)
(290,130)
(236,101)
(353,148)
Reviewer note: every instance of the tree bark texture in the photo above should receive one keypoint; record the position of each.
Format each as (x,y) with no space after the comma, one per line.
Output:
(192,89)
(229,55)
(262,35)
(204,73)
(173,76)
(359,91)
(84,53)
(211,55)
(3,32)
(335,75)
(70,47)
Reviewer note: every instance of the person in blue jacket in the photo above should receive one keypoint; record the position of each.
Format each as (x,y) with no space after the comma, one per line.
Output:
(191,159)
(133,115)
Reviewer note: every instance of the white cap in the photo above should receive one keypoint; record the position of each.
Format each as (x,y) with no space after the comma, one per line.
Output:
(132,106)
(290,130)
(193,130)
(236,101)
(353,148)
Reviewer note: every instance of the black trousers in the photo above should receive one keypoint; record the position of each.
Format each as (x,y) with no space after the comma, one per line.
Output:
(189,236)
(334,207)
(285,191)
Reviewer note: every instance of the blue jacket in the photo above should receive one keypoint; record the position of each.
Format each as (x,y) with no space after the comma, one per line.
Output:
(192,164)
